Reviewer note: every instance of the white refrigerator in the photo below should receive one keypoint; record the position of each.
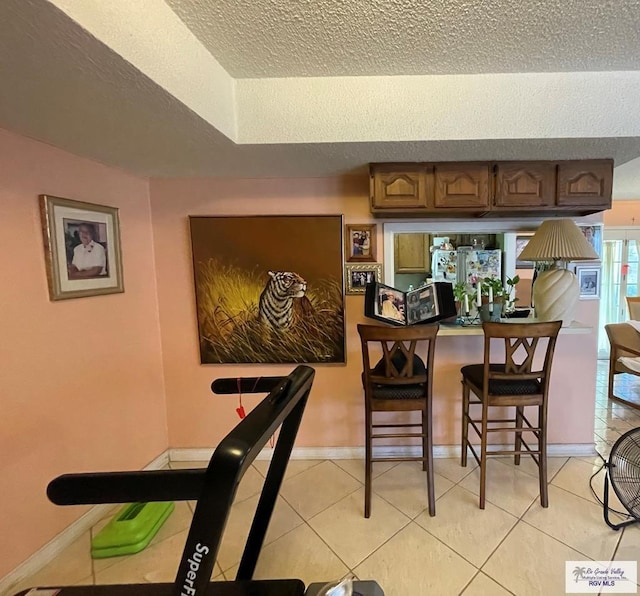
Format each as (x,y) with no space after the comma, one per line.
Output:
(466,265)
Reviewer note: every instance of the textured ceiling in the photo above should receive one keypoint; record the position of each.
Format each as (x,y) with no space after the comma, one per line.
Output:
(60,82)
(301,38)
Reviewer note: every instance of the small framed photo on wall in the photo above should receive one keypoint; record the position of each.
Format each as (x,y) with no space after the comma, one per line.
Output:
(589,281)
(521,243)
(593,234)
(358,276)
(360,242)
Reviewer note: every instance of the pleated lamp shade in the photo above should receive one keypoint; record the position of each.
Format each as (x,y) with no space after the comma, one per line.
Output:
(556,291)
(558,239)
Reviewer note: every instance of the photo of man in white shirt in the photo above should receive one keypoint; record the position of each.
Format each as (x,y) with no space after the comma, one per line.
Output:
(89,257)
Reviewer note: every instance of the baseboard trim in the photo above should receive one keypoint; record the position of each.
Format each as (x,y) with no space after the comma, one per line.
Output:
(56,545)
(439,451)
(49,551)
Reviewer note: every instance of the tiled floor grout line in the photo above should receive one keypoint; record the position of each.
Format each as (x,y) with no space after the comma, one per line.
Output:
(480,572)
(362,460)
(410,520)
(477,496)
(566,490)
(363,560)
(587,557)
(327,545)
(493,552)
(459,554)
(230,567)
(469,582)
(373,491)
(518,520)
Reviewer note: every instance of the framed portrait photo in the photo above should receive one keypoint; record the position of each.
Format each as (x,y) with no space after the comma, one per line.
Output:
(359,275)
(360,242)
(82,248)
(589,281)
(593,234)
(521,243)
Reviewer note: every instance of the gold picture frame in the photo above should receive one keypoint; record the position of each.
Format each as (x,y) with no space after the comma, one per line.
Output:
(358,275)
(82,248)
(360,243)
(278,299)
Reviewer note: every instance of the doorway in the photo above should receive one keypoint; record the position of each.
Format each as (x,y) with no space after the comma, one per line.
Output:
(619,279)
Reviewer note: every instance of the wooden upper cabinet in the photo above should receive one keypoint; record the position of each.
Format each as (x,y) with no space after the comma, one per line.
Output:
(411,253)
(396,186)
(585,183)
(525,184)
(461,185)
(485,189)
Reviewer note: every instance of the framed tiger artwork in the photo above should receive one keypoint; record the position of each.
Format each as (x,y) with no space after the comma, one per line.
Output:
(269,289)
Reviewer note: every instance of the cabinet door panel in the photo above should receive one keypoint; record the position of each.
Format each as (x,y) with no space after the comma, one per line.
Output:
(585,183)
(461,185)
(525,184)
(411,253)
(404,188)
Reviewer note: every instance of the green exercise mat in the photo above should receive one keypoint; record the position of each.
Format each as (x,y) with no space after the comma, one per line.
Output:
(131,529)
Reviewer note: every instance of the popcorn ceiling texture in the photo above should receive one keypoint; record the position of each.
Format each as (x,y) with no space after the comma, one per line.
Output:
(302,38)
(131,86)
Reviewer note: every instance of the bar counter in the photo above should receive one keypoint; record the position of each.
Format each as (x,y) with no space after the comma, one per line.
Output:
(571,395)
(457,329)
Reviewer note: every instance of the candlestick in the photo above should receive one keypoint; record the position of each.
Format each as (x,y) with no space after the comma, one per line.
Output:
(466,305)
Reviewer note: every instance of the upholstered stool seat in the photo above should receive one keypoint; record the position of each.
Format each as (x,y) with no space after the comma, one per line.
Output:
(402,392)
(475,374)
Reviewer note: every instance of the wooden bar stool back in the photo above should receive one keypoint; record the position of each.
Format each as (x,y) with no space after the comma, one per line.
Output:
(633,304)
(401,380)
(514,381)
(624,342)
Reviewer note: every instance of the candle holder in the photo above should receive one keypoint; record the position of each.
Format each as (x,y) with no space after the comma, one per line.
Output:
(468,318)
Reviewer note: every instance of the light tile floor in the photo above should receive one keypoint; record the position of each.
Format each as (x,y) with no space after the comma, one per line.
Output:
(318,531)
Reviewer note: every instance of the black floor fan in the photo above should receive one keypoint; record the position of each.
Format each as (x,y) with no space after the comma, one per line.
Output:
(623,471)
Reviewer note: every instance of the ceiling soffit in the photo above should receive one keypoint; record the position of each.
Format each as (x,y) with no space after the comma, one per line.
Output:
(143,111)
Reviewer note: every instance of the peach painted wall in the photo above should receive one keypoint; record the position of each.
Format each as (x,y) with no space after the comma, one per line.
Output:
(623,213)
(196,417)
(81,384)
(334,416)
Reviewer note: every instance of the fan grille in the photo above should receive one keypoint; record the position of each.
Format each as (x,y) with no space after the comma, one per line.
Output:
(624,470)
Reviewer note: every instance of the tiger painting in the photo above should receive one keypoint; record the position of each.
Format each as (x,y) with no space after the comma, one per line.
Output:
(276,306)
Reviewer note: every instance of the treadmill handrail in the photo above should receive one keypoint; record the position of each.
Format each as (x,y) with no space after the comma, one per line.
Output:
(215,487)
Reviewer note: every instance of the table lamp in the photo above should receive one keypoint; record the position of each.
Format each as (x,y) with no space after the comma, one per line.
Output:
(556,291)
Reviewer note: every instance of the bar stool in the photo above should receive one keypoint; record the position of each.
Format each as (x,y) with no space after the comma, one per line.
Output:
(633,304)
(400,381)
(624,342)
(513,382)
